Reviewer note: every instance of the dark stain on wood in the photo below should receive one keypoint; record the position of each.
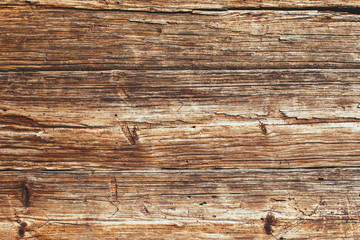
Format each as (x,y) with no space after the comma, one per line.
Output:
(21,232)
(25,194)
(270,221)
(263,128)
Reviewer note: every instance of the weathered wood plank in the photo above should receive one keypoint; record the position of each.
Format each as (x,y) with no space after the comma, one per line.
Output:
(186,5)
(69,39)
(154,112)
(179,119)
(186,204)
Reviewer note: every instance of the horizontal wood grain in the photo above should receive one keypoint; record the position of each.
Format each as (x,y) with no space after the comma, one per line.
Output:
(186,5)
(179,119)
(181,204)
(36,38)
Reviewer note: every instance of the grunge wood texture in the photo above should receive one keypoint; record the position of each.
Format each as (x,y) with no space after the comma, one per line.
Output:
(179,120)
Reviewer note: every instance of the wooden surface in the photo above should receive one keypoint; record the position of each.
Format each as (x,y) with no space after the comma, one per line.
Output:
(190,5)
(181,204)
(179,120)
(69,39)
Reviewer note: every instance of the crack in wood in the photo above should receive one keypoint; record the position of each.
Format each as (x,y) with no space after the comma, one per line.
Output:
(25,194)
(300,120)
(131,135)
(114,189)
(19,120)
(263,128)
(117,208)
(144,210)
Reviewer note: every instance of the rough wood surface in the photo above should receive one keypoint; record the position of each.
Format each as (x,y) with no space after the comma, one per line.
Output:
(179,119)
(189,5)
(186,204)
(70,39)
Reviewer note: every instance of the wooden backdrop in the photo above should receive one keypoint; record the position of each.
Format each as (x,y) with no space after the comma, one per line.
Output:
(132,119)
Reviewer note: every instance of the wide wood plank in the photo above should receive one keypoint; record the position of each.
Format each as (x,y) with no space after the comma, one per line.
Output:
(187,5)
(69,39)
(186,204)
(179,119)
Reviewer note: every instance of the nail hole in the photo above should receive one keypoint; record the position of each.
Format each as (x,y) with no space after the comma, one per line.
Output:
(21,232)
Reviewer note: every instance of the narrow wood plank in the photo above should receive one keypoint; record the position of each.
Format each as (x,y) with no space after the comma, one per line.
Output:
(186,5)
(179,119)
(68,39)
(186,204)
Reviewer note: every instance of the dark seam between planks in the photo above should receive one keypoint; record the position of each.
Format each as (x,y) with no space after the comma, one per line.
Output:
(350,10)
(182,68)
(185,170)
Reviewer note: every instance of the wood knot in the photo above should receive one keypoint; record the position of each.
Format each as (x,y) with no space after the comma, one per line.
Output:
(270,221)
(21,232)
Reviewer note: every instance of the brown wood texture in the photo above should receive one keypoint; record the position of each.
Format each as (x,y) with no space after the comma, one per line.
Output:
(69,39)
(179,119)
(182,204)
(189,5)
